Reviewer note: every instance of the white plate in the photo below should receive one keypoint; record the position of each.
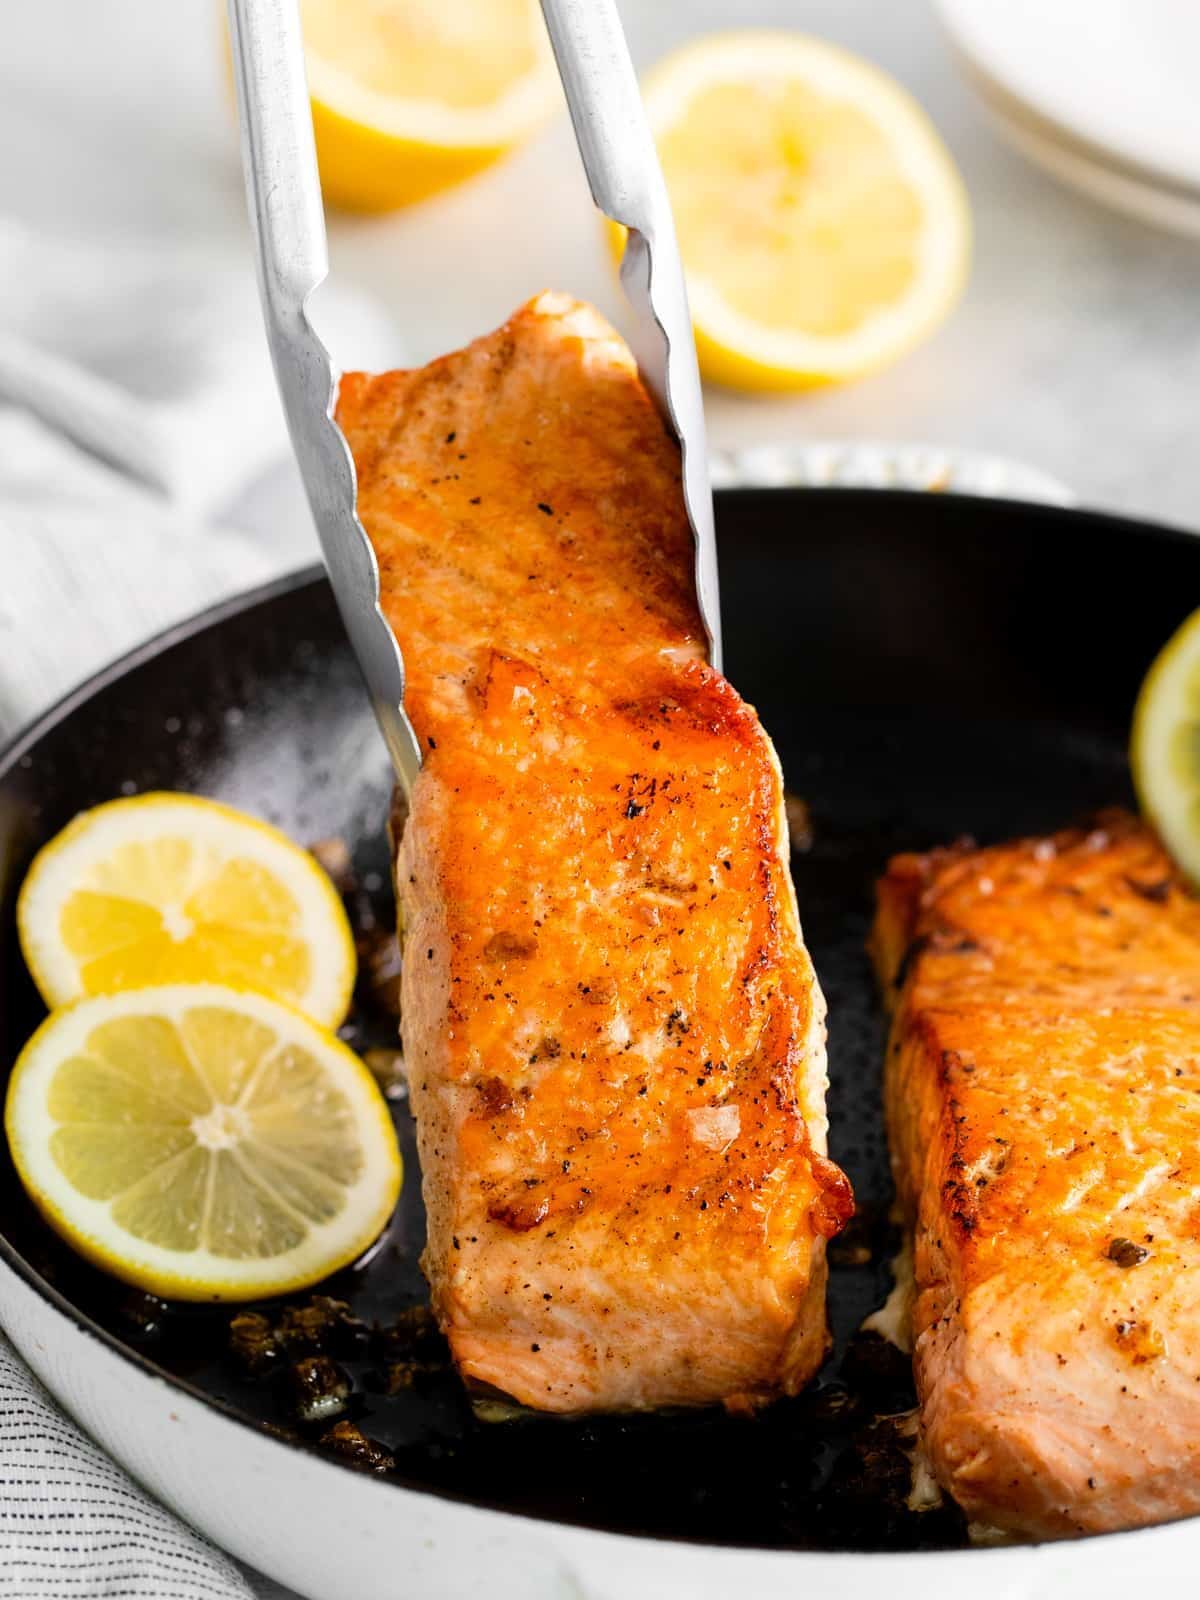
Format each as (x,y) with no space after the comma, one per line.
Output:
(1115,79)
(1119,187)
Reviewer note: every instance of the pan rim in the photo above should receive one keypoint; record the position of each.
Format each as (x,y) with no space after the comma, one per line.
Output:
(27,738)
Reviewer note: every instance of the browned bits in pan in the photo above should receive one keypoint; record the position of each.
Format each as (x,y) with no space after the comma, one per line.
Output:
(799,821)
(324,1326)
(388,1070)
(333,856)
(380,964)
(317,1388)
(349,1444)
(413,1336)
(402,1375)
(145,1315)
(252,1342)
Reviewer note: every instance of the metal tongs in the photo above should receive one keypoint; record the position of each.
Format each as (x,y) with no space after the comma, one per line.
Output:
(287,218)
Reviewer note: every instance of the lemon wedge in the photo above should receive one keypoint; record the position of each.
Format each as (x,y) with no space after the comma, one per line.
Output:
(823,226)
(201,1142)
(1165,746)
(411,96)
(167,888)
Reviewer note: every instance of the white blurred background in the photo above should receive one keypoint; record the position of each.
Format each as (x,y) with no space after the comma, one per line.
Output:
(1076,349)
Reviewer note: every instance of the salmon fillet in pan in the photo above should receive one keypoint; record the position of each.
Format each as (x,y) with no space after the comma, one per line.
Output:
(1043,1100)
(613,1031)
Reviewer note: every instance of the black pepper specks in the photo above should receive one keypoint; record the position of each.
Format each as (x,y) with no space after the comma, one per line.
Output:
(1126,1253)
(1157,893)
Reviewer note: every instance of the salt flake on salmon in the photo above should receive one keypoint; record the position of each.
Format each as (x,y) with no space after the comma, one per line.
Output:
(614,1034)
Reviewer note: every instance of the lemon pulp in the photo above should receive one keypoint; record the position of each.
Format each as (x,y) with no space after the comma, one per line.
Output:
(1165,746)
(797,201)
(823,227)
(410,98)
(173,889)
(464,55)
(202,1142)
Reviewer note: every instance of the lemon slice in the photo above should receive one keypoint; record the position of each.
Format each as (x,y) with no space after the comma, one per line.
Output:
(823,226)
(1165,746)
(411,97)
(166,888)
(202,1142)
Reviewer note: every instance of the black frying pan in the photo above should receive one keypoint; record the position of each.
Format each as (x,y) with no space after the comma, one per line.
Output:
(928,666)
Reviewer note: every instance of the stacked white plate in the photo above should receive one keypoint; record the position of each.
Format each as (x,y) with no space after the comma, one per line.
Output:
(1102,93)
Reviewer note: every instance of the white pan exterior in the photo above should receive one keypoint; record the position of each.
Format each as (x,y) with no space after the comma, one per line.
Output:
(333,1534)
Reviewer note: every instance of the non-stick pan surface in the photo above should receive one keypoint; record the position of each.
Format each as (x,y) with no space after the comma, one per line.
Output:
(928,667)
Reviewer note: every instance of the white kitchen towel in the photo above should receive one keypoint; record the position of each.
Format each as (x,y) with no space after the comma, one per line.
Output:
(152,356)
(91,565)
(73,1526)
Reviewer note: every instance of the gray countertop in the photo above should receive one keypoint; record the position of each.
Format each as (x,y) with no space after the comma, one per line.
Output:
(1077,347)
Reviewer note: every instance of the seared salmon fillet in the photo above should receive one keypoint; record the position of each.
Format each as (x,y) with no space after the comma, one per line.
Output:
(1043,1102)
(613,1032)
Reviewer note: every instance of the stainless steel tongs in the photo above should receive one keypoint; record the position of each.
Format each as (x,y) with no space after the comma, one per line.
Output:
(289,229)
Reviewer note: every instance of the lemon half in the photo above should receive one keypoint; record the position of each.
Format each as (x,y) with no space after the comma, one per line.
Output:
(823,226)
(167,888)
(1165,746)
(201,1142)
(410,98)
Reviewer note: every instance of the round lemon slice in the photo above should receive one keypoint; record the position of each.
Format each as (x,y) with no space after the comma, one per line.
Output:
(823,226)
(165,888)
(1165,746)
(202,1142)
(408,99)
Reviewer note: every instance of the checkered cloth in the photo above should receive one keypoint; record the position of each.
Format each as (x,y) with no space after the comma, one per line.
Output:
(73,1524)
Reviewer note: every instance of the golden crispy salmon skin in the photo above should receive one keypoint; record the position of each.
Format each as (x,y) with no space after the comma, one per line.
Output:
(614,1036)
(1043,1100)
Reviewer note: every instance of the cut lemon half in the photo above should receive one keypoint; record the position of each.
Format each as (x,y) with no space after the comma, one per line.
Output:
(166,888)
(1165,746)
(202,1142)
(823,226)
(410,96)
